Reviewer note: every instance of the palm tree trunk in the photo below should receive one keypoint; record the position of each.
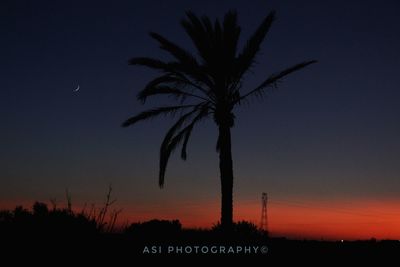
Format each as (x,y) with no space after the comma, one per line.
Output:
(226,175)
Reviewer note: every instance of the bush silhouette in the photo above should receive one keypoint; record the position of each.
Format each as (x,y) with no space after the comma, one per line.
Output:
(45,223)
(155,229)
(40,209)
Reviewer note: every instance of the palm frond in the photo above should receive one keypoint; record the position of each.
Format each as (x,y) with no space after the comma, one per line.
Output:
(247,56)
(171,110)
(159,90)
(179,53)
(189,129)
(208,26)
(171,142)
(178,70)
(167,90)
(273,79)
(231,33)
(166,78)
(150,63)
(168,146)
(165,153)
(198,84)
(197,33)
(156,85)
(178,124)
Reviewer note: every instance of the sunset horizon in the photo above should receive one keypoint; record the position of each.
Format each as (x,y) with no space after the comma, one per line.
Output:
(266,123)
(351,219)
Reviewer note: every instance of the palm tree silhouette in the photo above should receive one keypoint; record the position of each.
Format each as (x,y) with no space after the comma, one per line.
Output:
(207,85)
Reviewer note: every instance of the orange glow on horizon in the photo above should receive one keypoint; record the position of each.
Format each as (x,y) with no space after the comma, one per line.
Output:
(333,220)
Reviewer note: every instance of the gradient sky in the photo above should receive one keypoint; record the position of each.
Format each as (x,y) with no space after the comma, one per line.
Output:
(325,146)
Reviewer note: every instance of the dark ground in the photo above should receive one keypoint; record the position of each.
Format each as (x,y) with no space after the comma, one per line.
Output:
(128,248)
(61,236)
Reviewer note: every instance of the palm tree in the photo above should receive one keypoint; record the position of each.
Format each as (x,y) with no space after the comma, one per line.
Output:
(206,85)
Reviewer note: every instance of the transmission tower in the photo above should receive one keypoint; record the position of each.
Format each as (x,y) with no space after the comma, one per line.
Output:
(264,214)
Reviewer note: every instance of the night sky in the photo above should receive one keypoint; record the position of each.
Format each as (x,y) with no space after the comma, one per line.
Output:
(325,146)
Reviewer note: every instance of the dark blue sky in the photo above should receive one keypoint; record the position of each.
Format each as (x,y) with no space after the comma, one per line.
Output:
(330,131)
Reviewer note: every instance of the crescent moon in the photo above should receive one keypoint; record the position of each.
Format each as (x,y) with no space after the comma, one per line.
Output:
(77,89)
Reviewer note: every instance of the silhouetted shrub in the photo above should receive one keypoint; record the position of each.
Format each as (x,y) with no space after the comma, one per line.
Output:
(155,229)
(240,231)
(44,223)
(40,209)
(246,227)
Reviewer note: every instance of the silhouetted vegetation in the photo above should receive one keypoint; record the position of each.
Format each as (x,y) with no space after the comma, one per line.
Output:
(59,222)
(154,229)
(46,223)
(241,229)
(62,232)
